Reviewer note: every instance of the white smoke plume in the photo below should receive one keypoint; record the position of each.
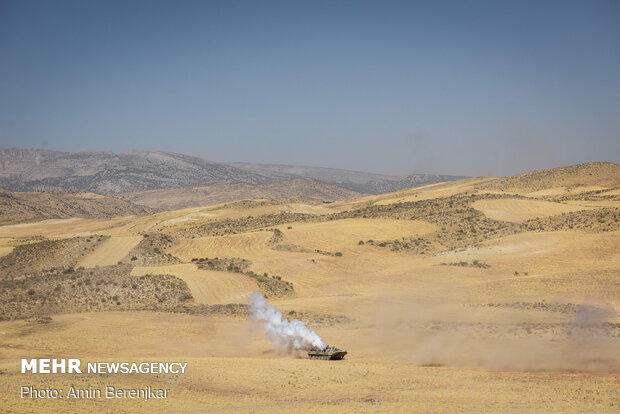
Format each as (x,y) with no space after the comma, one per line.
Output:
(284,334)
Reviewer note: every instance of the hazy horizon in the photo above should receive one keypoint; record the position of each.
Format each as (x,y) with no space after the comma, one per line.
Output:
(295,165)
(475,88)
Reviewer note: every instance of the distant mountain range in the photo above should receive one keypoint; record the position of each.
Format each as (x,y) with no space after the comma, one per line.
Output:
(104,172)
(362,182)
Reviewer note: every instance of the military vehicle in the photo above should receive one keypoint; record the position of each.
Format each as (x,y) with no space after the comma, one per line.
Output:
(328,352)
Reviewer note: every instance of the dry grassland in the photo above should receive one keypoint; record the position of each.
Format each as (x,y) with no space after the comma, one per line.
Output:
(110,251)
(232,368)
(207,286)
(530,323)
(517,210)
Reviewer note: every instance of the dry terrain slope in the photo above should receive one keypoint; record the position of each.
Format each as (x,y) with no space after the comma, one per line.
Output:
(479,295)
(37,206)
(183,197)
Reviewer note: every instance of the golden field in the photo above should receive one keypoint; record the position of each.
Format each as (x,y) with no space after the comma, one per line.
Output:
(480,295)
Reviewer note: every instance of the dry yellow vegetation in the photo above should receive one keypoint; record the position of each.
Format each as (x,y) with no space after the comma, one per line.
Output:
(4,250)
(21,207)
(110,252)
(181,197)
(246,245)
(424,192)
(518,210)
(521,318)
(601,174)
(232,368)
(345,234)
(559,191)
(207,286)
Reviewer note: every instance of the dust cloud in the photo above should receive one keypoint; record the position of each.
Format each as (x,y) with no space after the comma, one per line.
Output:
(432,334)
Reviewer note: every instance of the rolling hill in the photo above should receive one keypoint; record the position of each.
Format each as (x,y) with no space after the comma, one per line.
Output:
(600,174)
(447,295)
(183,197)
(36,206)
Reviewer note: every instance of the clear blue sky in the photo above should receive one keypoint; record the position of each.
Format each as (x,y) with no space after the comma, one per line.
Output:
(455,87)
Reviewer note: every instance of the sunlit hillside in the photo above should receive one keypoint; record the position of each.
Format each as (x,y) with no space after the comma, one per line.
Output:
(444,295)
